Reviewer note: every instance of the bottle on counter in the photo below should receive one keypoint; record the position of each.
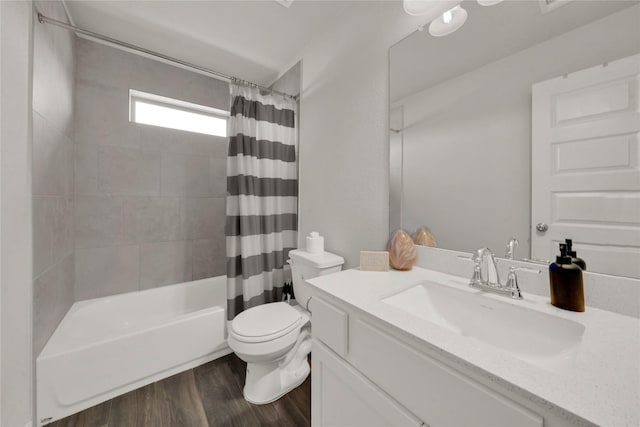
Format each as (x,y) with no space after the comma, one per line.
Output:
(565,282)
(574,256)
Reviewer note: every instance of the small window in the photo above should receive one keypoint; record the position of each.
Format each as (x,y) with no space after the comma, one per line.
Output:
(155,110)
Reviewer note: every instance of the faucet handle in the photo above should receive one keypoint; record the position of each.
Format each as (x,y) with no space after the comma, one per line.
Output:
(512,280)
(476,257)
(512,284)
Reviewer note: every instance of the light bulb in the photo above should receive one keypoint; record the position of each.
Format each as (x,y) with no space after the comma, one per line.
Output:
(447,17)
(448,22)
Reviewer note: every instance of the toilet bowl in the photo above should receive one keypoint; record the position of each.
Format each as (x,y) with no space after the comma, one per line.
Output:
(275,339)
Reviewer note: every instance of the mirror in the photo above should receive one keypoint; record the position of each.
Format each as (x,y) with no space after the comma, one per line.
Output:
(461,120)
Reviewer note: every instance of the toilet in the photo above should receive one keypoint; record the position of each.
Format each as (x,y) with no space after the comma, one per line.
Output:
(275,339)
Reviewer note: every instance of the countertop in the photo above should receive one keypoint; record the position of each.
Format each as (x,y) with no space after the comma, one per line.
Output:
(600,386)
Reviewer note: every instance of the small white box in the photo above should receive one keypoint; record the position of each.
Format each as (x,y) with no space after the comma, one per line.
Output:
(374,260)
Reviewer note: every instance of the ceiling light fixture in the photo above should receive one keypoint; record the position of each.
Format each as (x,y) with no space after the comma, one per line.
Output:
(448,22)
(488,2)
(418,7)
(285,3)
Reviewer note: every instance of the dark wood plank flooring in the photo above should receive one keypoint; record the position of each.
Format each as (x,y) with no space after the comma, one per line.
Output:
(207,396)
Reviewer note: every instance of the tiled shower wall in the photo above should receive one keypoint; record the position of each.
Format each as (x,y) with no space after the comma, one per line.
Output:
(149,201)
(52,173)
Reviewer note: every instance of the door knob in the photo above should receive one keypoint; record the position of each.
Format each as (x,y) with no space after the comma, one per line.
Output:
(542,227)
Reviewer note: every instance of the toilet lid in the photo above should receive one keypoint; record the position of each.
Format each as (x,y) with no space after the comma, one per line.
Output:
(268,321)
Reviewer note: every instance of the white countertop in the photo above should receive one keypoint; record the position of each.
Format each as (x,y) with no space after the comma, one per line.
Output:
(600,386)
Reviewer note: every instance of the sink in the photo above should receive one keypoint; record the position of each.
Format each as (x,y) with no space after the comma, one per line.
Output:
(532,336)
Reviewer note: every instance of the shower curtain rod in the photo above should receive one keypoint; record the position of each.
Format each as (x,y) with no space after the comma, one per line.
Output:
(44,19)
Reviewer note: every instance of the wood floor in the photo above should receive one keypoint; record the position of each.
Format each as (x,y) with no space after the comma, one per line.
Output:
(207,396)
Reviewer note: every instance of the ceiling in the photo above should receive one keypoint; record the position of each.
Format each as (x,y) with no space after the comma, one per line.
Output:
(421,61)
(252,40)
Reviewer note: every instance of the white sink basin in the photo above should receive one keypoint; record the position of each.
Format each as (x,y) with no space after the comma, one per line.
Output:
(533,336)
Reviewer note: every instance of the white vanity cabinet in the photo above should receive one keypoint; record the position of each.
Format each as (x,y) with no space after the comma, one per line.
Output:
(342,396)
(367,374)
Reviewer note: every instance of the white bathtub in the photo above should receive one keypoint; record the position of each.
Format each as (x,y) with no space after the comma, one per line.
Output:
(108,346)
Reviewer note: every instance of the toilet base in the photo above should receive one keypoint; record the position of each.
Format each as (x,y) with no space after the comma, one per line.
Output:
(266,384)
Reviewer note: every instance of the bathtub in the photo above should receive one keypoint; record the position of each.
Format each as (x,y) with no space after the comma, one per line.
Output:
(108,346)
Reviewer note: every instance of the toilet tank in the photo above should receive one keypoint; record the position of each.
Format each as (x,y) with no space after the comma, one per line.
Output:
(306,265)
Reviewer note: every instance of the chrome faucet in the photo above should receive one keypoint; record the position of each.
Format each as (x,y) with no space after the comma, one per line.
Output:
(483,257)
(511,248)
(492,282)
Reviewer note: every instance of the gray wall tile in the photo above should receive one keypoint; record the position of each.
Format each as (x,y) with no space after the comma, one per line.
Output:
(220,147)
(53,173)
(104,65)
(106,271)
(218,177)
(52,159)
(174,82)
(166,140)
(219,168)
(52,298)
(138,186)
(185,175)
(158,219)
(54,70)
(86,169)
(52,231)
(218,187)
(204,217)
(128,171)
(165,263)
(93,68)
(103,221)
(43,208)
(209,258)
(63,228)
(102,116)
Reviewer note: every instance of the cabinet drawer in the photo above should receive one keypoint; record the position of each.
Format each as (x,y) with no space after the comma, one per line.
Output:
(341,396)
(330,325)
(437,394)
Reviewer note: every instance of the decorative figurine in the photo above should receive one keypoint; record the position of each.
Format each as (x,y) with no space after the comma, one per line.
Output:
(423,237)
(402,251)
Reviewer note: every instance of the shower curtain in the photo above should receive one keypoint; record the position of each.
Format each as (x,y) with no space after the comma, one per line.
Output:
(262,196)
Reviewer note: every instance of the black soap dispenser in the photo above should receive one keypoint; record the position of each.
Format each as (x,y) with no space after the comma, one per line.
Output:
(565,282)
(574,256)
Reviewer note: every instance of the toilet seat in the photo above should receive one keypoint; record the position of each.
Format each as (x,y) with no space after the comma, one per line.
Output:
(266,322)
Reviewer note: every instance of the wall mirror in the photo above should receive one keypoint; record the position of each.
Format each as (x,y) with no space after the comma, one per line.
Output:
(468,112)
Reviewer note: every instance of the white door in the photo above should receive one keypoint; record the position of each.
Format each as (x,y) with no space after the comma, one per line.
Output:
(585,173)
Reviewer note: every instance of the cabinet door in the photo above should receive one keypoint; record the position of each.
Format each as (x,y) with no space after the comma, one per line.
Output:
(340,396)
(438,394)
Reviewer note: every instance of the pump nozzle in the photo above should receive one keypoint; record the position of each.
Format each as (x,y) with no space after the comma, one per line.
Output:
(563,258)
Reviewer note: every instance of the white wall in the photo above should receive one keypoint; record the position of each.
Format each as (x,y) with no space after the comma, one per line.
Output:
(16,280)
(344,142)
(467,143)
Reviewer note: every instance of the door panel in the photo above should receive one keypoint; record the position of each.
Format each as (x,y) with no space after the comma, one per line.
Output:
(585,166)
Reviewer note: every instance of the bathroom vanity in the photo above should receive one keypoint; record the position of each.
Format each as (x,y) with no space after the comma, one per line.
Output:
(420,348)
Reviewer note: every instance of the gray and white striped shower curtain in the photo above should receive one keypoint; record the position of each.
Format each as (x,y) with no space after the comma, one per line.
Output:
(262,196)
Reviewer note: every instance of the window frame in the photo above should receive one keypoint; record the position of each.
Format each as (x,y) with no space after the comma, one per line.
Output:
(174,104)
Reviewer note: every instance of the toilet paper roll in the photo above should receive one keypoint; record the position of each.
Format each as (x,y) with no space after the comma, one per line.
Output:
(315,243)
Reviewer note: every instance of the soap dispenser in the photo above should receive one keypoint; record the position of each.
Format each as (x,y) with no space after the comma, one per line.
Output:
(565,282)
(574,256)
